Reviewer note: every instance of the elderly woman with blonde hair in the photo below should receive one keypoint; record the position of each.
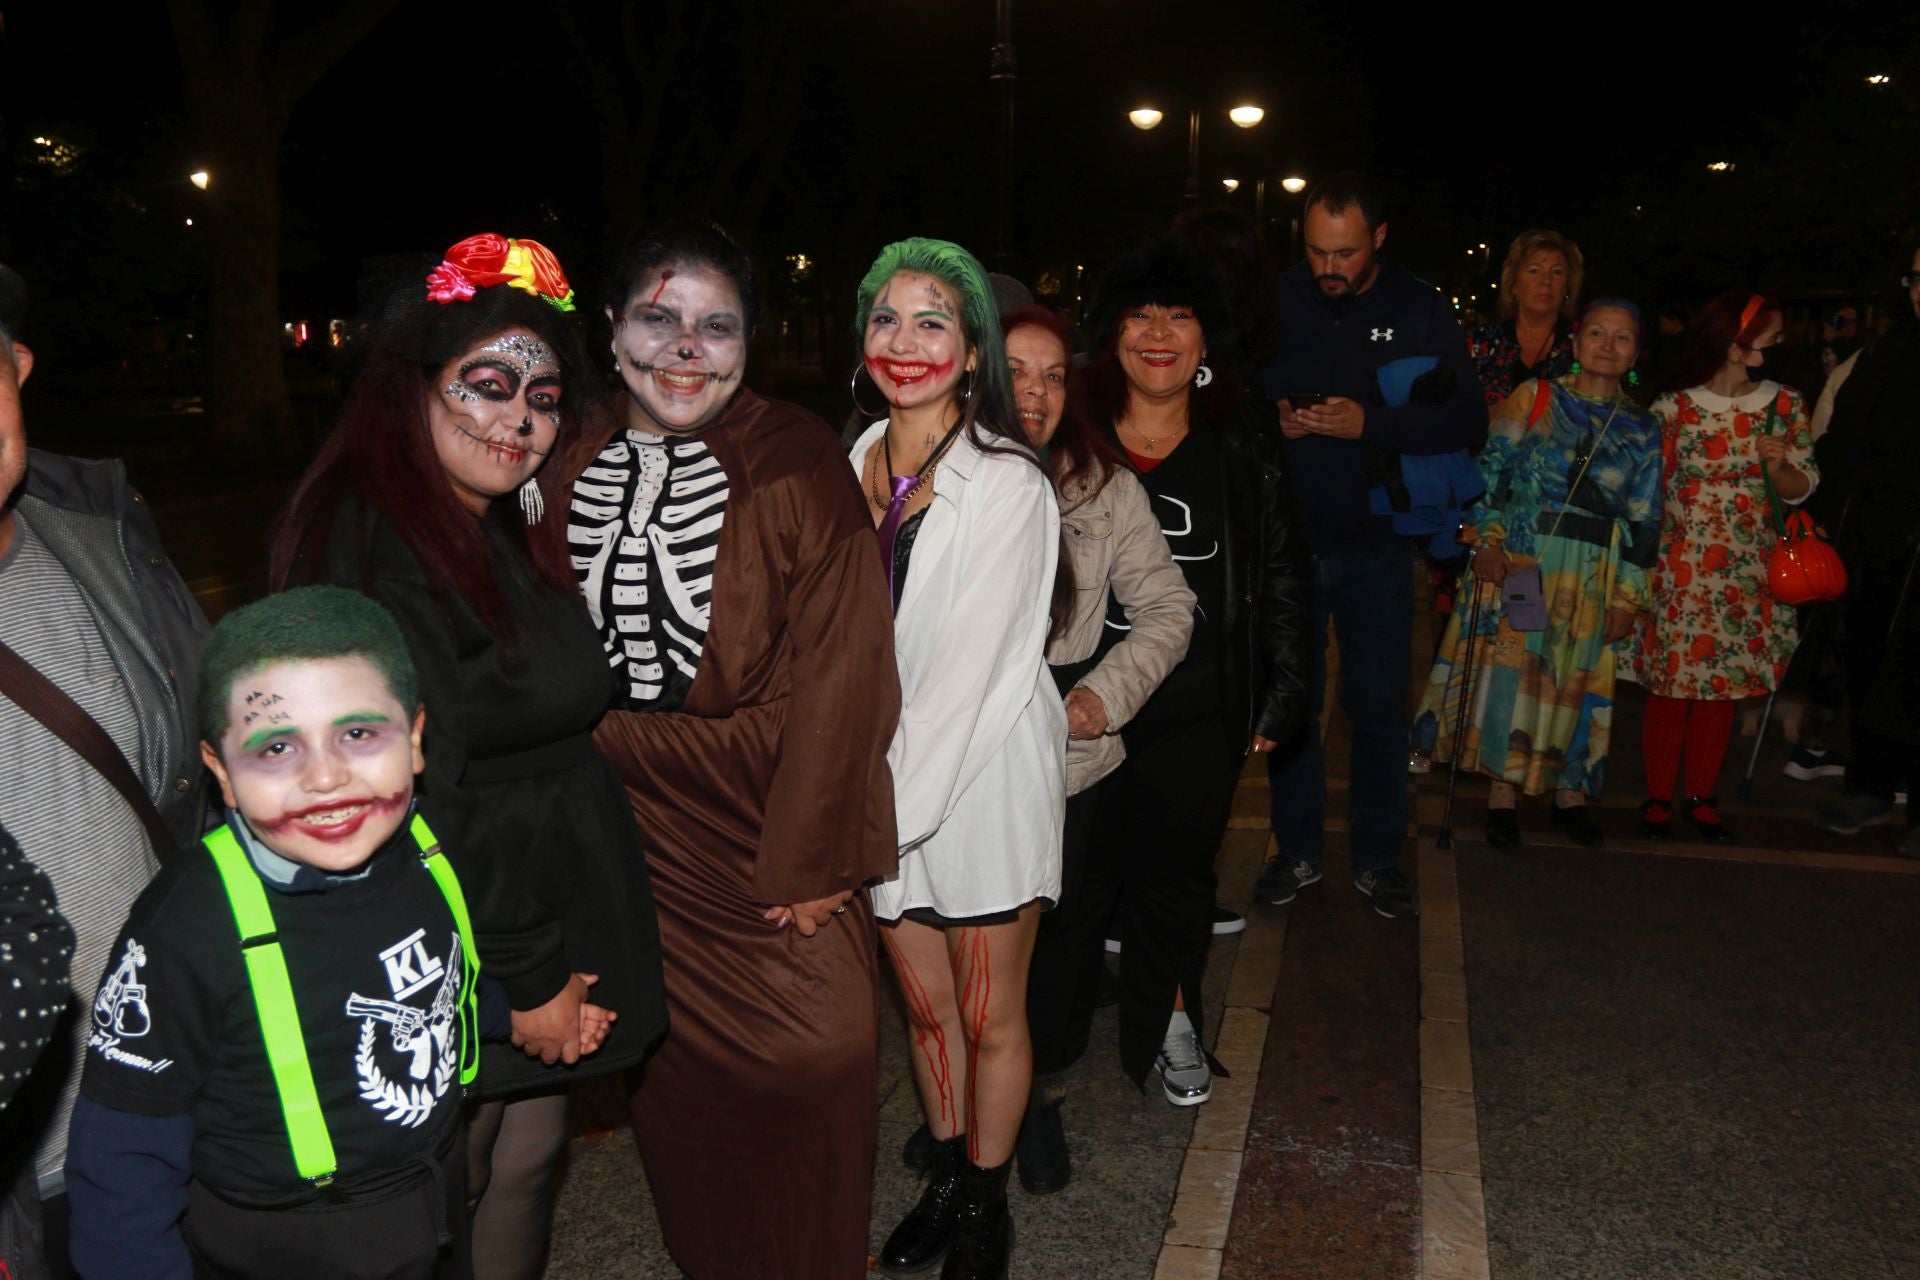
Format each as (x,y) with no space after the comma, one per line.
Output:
(1533,338)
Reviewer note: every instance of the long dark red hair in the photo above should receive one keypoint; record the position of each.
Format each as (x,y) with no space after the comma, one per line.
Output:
(1735,316)
(379,459)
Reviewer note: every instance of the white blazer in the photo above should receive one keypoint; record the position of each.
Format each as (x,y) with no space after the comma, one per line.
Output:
(979,757)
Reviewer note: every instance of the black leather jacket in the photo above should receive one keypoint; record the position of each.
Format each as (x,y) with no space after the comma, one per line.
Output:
(1266,663)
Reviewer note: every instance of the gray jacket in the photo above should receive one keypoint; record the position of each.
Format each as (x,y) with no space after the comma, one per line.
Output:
(101,531)
(1113,541)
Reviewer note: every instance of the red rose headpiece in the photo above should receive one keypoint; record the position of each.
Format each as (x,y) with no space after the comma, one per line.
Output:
(481,261)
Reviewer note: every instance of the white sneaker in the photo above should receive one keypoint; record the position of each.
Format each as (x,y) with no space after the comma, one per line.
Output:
(1184,1073)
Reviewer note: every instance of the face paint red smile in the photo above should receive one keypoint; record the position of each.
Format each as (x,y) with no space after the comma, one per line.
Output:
(334,821)
(904,373)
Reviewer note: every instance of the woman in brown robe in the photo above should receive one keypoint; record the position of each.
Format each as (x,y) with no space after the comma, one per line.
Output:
(725,555)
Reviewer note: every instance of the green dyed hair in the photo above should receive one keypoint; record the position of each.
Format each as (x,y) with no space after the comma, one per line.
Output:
(302,625)
(989,408)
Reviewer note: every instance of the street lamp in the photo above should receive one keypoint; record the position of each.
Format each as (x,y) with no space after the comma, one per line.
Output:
(200,178)
(1231,184)
(1720,166)
(1293,186)
(1877,81)
(1246,116)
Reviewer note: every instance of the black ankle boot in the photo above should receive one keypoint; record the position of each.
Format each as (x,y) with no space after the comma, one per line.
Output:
(917,1154)
(1041,1150)
(920,1241)
(982,1227)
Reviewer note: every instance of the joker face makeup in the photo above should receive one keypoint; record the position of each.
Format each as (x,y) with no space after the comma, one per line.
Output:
(494,415)
(319,757)
(681,345)
(914,346)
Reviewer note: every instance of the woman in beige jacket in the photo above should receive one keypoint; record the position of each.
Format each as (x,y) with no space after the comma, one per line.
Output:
(1122,617)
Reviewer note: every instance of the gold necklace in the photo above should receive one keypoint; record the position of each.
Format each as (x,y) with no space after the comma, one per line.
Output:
(927,468)
(1154,442)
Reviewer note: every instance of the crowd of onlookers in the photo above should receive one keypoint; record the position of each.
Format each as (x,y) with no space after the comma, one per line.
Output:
(619,726)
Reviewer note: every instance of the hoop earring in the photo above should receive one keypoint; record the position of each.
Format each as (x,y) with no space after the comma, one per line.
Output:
(853,390)
(1203,375)
(966,397)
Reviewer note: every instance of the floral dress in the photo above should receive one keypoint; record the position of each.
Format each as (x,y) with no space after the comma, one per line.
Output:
(1497,358)
(1716,633)
(1542,712)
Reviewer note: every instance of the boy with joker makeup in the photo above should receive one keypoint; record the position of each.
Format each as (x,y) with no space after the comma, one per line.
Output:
(280,1046)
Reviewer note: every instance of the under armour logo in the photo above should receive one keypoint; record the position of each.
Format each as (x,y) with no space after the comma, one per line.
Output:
(1383,335)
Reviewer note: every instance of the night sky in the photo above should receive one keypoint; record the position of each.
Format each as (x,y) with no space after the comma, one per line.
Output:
(1483,119)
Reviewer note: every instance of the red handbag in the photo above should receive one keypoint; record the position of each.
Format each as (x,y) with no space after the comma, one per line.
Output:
(1803,567)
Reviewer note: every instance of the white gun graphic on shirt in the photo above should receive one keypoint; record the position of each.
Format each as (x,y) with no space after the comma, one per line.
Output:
(414,1030)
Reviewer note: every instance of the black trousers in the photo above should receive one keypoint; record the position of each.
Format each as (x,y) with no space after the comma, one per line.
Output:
(1155,838)
(416,1231)
(1065,972)
(1880,761)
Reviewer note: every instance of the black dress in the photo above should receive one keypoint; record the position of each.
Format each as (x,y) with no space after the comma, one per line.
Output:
(534,820)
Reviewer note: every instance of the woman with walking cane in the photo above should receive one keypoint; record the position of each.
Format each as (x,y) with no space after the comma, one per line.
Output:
(1563,537)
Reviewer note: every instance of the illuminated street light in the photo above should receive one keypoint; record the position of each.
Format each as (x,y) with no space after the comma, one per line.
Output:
(1293,186)
(1231,184)
(1246,116)
(200,178)
(1145,117)
(1879,80)
(1720,166)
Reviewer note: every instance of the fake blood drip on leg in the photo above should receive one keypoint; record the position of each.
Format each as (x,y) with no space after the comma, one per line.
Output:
(927,1028)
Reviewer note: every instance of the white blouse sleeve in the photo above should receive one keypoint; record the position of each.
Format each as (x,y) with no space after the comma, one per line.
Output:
(986,665)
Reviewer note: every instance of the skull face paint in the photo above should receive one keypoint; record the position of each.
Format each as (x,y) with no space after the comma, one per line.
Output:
(682,345)
(496,416)
(914,344)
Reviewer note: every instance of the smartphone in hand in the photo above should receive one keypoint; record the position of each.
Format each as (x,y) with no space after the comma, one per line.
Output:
(1302,399)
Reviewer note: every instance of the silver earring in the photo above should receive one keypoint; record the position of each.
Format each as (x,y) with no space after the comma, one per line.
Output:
(533,504)
(1203,376)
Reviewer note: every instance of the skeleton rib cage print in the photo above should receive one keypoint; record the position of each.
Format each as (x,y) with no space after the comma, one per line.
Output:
(644,529)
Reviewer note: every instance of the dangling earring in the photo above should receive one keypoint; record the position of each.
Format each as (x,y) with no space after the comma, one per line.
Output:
(1633,377)
(853,389)
(1574,369)
(533,504)
(1203,375)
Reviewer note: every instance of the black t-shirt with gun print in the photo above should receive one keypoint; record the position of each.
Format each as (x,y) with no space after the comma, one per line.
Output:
(375,965)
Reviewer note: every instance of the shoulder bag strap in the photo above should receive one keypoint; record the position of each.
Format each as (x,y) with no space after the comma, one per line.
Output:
(66,720)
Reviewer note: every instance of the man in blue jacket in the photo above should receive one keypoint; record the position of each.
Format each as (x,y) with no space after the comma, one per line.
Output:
(1345,312)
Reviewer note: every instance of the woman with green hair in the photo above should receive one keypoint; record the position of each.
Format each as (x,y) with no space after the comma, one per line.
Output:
(970,536)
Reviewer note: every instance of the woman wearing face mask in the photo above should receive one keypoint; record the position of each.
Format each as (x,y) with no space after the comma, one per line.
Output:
(1115,549)
(1533,338)
(970,537)
(1573,492)
(431,496)
(1734,441)
(1211,465)
(725,558)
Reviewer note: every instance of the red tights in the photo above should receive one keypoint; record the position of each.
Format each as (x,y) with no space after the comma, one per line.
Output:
(1702,728)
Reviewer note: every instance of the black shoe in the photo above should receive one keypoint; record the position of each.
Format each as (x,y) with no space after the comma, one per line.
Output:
(982,1227)
(1579,824)
(1656,820)
(1389,892)
(920,1241)
(1227,922)
(1041,1151)
(917,1155)
(1503,828)
(1282,879)
(1704,813)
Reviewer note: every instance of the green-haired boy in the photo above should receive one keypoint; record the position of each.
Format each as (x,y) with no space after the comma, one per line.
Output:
(278,1049)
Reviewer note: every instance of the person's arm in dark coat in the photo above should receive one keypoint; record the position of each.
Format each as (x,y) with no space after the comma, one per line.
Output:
(1284,617)
(36,950)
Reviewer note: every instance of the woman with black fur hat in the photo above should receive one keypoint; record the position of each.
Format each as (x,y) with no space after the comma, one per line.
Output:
(1212,467)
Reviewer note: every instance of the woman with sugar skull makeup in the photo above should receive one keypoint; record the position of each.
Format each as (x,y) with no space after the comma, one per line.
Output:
(430,495)
(721,546)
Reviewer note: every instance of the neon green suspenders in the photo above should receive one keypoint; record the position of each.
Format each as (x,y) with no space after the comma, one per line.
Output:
(273,992)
